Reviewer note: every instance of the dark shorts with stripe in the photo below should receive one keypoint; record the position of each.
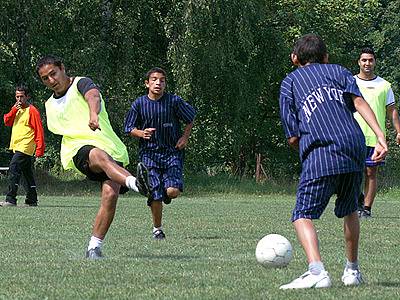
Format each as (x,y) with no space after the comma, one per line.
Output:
(369,162)
(313,195)
(162,178)
(81,162)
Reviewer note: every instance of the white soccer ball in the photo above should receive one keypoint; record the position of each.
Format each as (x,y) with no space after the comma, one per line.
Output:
(274,251)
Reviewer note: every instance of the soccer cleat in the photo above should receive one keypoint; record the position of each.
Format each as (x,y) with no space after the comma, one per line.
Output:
(352,277)
(7,204)
(94,253)
(308,280)
(142,180)
(167,200)
(365,214)
(158,235)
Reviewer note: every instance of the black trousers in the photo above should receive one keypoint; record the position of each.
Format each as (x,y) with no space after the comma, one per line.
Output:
(21,165)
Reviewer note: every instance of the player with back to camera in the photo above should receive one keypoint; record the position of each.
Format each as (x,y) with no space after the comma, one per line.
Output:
(379,95)
(317,102)
(76,110)
(156,120)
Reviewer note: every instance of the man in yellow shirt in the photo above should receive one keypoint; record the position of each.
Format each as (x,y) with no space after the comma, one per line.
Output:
(77,111)
(379,95)
(27,141)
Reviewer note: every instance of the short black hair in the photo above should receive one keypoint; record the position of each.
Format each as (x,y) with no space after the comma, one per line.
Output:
(22,88)
(48,60)
(310,48)
(155,70)
(368,50)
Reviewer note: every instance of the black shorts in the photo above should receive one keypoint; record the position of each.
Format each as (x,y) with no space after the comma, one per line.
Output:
(81,162)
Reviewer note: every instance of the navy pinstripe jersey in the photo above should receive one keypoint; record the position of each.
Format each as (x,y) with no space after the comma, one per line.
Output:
(166,115)
(316,106)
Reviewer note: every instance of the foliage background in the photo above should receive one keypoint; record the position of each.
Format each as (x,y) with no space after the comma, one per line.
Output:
(227,57)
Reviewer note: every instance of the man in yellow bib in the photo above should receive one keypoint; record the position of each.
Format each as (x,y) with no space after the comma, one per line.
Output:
(379,95)
(77,111)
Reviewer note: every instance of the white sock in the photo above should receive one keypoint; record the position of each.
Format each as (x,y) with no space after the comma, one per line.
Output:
(95,242)
(130,182)
(157,228)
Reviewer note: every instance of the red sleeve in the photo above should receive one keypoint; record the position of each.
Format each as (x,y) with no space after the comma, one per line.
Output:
(36,123)
(9,118)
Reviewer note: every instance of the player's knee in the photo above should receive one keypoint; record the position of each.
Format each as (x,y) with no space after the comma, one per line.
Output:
(173,192)
(109,195)
(371,172)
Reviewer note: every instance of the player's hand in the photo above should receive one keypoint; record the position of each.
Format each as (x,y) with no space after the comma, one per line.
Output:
(148,132)
(398,139)
(380,151)
(18,104)
(94,122)
(182,142)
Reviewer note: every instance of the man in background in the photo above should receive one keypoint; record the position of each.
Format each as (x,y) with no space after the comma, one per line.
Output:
(27,141)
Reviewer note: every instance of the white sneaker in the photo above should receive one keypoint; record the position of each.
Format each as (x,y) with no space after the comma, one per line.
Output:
(308,280)
(352,277)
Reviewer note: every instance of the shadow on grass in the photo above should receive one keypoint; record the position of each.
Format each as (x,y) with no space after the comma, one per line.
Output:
(166,256)
(395,284)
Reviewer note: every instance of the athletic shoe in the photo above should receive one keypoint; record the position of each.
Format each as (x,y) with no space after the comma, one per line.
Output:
(142,180)
(94,253)
(167,200)
(365,214)
(158,235)
(308,280)
(352,277)
(7,204)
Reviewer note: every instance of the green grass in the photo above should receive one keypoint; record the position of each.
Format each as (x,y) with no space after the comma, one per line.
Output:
(208,253)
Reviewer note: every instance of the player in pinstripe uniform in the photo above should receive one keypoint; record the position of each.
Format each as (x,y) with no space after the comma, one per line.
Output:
(317,102)
(156,120)
(379,95)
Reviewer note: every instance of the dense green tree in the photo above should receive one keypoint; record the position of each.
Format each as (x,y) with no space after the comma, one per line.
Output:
(227,57)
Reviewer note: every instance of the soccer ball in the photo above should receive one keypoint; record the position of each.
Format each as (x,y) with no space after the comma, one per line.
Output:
(274,251)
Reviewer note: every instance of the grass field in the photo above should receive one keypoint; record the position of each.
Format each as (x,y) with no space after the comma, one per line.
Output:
(208,253)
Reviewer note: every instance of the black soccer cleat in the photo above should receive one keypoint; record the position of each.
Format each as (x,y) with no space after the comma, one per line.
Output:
(142,180)
(158,235)
(94,254)
(167,200)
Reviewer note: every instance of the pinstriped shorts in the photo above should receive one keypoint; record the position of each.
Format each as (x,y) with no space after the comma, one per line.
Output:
(162,178)
(313,195)
(369,162)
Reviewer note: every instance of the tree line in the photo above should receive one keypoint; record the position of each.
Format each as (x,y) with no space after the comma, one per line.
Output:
(227,57)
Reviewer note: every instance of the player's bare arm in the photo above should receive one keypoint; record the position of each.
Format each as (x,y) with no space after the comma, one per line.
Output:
(368,115)
(293,142)
(144,134)
(93,99)
(393,113)
(182,142)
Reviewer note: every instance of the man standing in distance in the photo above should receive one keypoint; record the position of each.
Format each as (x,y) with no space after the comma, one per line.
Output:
(379,95)
(156,120)
(77,111)
(27,140)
